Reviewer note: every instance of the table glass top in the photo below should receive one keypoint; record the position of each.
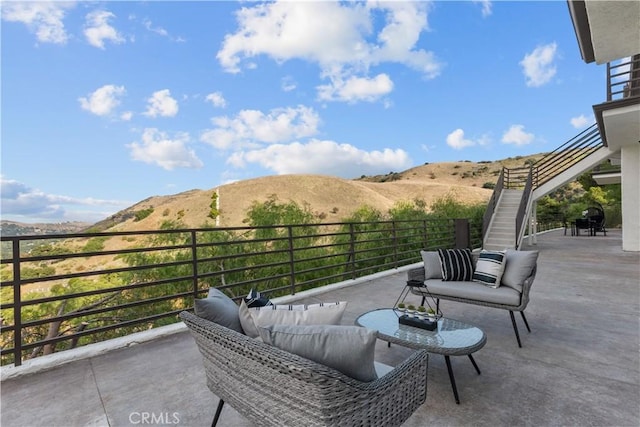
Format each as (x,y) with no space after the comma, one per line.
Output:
(452,337)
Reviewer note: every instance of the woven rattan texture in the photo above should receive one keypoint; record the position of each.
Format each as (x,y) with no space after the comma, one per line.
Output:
(271,387)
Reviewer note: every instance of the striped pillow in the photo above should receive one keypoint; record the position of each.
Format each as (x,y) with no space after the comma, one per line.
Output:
(456,265)
(489,268)
(254,299)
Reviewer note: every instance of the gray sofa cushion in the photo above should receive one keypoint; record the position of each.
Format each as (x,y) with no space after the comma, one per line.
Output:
(220,309)
(349,349)
(473,291)
(252,319)
(432,268)
(518,266)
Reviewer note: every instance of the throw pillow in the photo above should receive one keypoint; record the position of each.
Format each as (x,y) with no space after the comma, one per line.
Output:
(432,268)
(254,299)
(348,349)
(314,314)
(220,309)
(489,268)
(456,265)
(519,266)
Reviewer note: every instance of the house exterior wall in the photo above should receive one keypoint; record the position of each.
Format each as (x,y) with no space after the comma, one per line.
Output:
(631,197)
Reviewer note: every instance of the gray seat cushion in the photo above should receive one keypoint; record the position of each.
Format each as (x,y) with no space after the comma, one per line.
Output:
(472,291)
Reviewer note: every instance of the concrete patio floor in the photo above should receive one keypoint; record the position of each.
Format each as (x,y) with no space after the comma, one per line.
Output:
(579,366)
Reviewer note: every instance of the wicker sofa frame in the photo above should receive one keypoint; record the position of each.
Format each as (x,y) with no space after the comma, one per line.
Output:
(417,275)
(272,387)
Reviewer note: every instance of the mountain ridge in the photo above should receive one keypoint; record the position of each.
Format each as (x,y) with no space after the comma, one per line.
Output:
(330,198)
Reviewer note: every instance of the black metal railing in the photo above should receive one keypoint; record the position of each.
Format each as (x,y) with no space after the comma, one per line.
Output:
(567,155)
(623,79)
(516,178)
(493,202)
(63,291)
(522,209)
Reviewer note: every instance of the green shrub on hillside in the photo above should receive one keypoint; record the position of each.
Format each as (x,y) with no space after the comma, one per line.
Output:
(142,214)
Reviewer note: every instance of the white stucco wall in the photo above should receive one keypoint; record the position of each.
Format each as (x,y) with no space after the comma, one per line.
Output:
(630,161)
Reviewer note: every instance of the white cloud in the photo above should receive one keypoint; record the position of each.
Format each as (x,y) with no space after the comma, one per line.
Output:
(126,116)
(103,100)
(356,89)
(97,29)
(45,18)
(517,136)
(161,31)
(581,121)
(157,148)
(20,200)
(288,84)
(457,141)
(339,37)
(217,99)
(161,104)
(323,157)
(538,67)
(486,7)
(251,127)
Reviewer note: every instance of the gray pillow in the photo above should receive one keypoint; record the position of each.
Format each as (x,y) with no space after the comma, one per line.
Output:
(432,268)
(348,349)
(220,309)
(518,266)
(324,313)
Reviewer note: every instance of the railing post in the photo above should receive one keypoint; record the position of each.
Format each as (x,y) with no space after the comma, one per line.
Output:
(395,244)
(194,264)
(609,93)
(292,269)
(352,250)
(462,233)
(426,234)
(17,304)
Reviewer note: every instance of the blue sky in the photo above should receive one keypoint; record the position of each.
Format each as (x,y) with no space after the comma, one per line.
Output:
(107,103)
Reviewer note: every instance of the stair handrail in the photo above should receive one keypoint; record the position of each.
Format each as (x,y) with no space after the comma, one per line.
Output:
(524,204)
(515,178)
(568,154)
(491,207)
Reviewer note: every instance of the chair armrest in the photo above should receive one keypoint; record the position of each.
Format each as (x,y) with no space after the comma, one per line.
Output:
(396,395)
(526,287)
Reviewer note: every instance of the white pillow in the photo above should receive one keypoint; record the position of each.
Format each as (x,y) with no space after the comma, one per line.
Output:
(253,318)
(489,268)
(348,349)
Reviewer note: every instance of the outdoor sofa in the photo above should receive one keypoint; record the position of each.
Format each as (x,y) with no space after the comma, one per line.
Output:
(506,290)
(273,387)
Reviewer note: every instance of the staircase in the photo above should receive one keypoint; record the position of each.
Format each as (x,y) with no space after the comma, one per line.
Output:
(517,189)
(501,234)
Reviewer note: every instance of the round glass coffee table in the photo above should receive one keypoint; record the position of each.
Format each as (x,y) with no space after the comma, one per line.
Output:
(451,338)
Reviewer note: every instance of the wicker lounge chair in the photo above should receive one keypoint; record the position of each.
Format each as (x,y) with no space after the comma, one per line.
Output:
(272,387)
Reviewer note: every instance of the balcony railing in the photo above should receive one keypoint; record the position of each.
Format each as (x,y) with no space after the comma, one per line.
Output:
(63,291)
(623,79)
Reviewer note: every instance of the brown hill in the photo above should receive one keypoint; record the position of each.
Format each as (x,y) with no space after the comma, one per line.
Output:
(330,198)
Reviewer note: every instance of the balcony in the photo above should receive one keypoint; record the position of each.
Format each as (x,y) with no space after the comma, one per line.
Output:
(619,117)
(580,365)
